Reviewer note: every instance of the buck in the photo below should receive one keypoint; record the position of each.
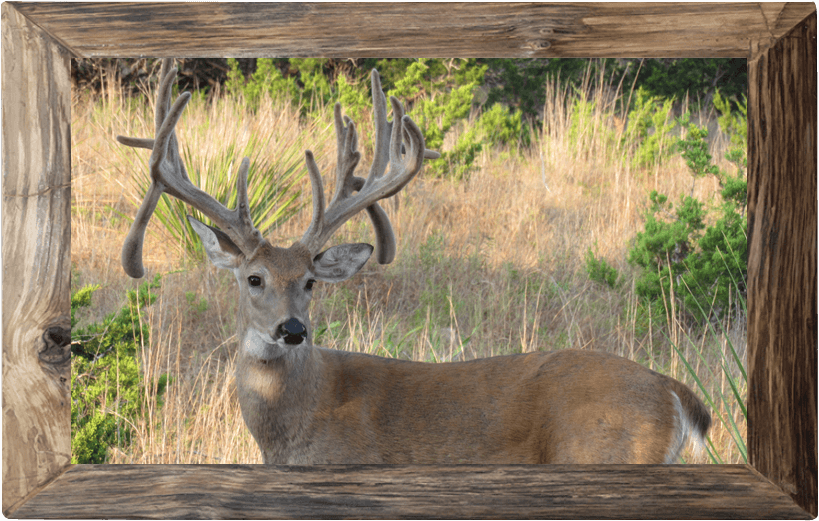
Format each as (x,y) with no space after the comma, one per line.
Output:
(306,404)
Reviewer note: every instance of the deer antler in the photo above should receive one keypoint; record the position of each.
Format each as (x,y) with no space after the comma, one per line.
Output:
(168,175)
(404,162)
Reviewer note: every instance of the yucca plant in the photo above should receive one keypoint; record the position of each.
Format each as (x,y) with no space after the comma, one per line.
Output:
(212,146)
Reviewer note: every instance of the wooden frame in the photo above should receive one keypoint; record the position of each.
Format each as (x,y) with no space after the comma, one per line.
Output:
(779,41)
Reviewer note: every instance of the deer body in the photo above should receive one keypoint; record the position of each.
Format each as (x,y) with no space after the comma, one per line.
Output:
(320,405)
(307,405)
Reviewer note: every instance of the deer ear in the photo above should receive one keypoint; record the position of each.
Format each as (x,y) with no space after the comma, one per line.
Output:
(341,262)
(222,252)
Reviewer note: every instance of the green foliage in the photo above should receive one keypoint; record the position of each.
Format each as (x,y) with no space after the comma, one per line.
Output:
(235,79)
(588,134)
(516,82)
(197,304)
(694,149)
(266,80)
(81,299)
(735,124)
(650,112)
(695,78)
(438,95)
(445,102)
(665,243)
(704,267)
(458,162)
(601,271)
(408,86)
(519,82)
(107,389)
(316,90)
(306,83)
(354,98)
(501,126)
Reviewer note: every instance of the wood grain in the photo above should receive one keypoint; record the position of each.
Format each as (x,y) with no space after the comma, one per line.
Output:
(414,29)
(782,309)
(36,257)
(382,491)
(36,41)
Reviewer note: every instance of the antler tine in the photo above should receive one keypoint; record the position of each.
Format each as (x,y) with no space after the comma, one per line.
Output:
(315,229)
(382,129)
(348,155)
(403,152)
(167,75)
(168,175)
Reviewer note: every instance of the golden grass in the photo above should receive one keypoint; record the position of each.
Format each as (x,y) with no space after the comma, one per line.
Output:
(491,265)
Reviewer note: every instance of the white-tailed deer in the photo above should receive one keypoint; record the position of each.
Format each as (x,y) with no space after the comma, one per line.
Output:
(306,404)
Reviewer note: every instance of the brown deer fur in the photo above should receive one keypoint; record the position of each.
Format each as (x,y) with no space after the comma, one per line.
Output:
(325,406)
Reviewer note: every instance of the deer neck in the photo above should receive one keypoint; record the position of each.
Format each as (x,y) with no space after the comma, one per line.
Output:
(278,394)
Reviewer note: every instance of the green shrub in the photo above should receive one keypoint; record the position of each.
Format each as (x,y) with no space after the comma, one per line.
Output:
(601,271)
(694,78)
(316,90)
(458,162)
(502,126)
(354,98)
(704,267)
(437,94)
(650,112)
(735,124)
(266,80)
(444,103)
(665,244)
(108,392)
(519,82)
(694,149)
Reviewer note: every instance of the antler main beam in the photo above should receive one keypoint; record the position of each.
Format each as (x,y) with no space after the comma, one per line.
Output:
(168,174)
(399,145)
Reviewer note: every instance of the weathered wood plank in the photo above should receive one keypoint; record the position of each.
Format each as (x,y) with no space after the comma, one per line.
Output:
(415,29)
(375,491)
(36,257)
(782,305)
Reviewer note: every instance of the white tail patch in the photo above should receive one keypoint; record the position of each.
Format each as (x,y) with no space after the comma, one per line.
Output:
(684,432)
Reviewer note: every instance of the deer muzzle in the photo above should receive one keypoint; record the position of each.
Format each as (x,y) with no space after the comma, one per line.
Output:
(292,332)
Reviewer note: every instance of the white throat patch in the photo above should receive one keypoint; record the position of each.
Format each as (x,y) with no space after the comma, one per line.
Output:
(259,345)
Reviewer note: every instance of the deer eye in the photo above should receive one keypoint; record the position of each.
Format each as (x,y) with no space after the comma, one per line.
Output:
(254,280)
(309,284)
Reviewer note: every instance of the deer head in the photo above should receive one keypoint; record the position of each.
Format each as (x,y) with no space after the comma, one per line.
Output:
(275,283)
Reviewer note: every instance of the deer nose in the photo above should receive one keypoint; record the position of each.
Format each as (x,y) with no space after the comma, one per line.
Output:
(293,332)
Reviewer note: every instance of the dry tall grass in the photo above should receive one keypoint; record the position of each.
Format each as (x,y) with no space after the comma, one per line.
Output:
(491,265)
